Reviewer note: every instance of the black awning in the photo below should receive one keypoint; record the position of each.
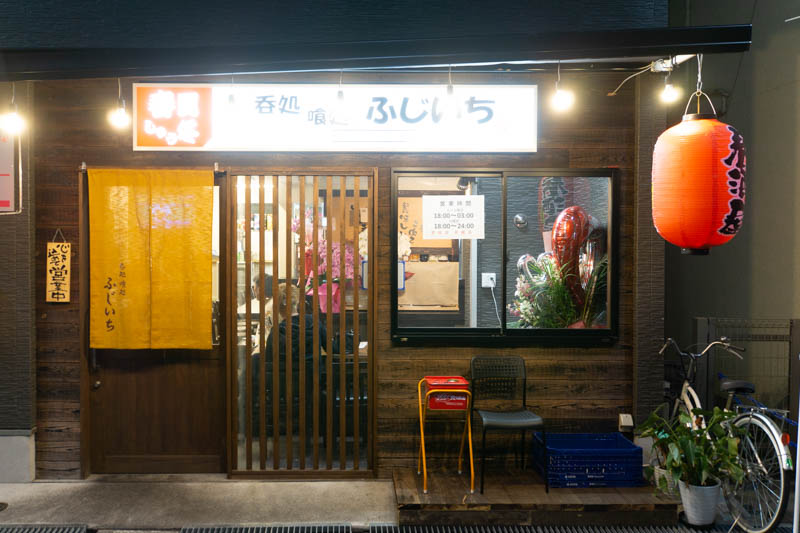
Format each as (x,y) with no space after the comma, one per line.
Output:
(601,49)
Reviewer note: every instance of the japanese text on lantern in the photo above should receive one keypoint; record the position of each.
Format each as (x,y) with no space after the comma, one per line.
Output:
(58,267)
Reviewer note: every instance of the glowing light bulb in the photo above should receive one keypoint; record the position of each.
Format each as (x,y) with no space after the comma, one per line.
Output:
(119,118)
(451,105)
(670,93)
(341,112)
(12,123)
(562,100)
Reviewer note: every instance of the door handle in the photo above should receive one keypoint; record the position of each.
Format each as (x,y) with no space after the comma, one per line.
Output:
(96,384)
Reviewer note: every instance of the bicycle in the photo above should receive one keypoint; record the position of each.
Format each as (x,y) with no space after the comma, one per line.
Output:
(759,501)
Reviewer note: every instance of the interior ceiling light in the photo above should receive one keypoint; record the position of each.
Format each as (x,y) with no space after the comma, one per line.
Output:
(563,99)
(119,117)
(12,122)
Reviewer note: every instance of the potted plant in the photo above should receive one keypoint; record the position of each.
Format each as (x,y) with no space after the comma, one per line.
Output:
(698,452)
(652,434)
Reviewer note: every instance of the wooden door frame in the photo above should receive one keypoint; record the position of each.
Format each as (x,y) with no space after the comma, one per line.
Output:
(220,178)
(230,322)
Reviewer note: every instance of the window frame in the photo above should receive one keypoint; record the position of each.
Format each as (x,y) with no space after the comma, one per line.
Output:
(503,335)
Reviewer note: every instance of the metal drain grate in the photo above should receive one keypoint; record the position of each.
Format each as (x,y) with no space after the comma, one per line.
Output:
(38,528)
(314,528)
(381,528)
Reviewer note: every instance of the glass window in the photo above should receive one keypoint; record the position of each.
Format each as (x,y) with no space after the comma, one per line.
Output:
(442,235)
(515,256)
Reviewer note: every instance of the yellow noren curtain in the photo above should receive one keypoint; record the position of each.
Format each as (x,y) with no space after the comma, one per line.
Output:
(150,258)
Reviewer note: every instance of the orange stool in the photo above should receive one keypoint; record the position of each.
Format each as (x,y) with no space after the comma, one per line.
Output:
(444,393)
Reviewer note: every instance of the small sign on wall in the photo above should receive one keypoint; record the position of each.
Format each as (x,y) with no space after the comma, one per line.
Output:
(7,173)
(58,270)
(452,217)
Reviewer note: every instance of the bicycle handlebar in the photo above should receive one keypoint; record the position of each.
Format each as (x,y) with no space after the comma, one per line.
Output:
(721,342)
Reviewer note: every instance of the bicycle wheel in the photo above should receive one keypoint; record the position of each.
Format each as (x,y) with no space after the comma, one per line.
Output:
(760,500)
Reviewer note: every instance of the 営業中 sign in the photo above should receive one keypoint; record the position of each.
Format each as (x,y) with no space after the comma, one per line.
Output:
(57,270)
(452,217)
(311,118)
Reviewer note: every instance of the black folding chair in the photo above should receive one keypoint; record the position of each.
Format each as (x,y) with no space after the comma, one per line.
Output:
(502,379)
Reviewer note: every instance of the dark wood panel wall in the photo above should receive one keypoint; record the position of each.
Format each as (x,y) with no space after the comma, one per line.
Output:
(576,388)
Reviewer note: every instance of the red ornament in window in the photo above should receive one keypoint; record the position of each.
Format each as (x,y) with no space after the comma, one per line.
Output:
(698,183)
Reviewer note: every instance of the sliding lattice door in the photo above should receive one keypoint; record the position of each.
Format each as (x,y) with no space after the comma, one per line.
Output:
(301,328)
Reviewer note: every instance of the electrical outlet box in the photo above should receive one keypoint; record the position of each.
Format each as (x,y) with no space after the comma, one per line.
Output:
(625,422)
(488,280)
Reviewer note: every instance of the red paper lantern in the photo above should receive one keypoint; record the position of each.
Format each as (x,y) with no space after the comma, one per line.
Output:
(698,183)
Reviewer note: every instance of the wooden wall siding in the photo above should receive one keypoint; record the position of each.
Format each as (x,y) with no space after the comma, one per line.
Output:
(572,387)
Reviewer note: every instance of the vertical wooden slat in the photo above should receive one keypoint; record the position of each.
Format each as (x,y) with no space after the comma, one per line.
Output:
(232,321)
(356,316)
(342,222)
(275,335)
(315,315)
(262,329)
(301,357)
(288,317)
(371,322)
(226,317)
(83,262)
(329,324)
(248,364)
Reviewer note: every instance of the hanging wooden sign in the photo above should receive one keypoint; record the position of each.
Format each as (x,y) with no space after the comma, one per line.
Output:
(58,270)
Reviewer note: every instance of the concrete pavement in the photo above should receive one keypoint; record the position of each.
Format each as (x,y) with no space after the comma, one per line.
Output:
(169,504)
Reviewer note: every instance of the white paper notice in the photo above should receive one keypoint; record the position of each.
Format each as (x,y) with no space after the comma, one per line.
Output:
(6,173)
(452,217)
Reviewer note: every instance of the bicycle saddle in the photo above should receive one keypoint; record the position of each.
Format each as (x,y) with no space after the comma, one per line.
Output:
(737,386)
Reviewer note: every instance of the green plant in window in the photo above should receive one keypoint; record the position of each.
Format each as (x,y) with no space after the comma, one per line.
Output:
(542,298)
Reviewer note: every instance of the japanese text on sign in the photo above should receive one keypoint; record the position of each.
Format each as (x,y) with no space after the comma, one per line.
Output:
(452,217)
(312,117)
(58,268)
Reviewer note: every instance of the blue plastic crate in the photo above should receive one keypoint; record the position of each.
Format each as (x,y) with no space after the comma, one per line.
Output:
(589,460)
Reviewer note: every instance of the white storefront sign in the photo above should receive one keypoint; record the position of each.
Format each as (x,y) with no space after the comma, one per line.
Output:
(452,217)
(312,118)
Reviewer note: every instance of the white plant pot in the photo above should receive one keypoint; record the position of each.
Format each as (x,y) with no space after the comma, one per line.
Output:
(699,503)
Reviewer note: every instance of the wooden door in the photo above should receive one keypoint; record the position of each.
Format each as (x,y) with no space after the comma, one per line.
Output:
(161,411)
(158,411)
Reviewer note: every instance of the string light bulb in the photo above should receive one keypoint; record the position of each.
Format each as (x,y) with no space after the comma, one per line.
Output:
(12,122)
(563,99)
(340,114)
(119,117)
(670,93)
(451,110)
